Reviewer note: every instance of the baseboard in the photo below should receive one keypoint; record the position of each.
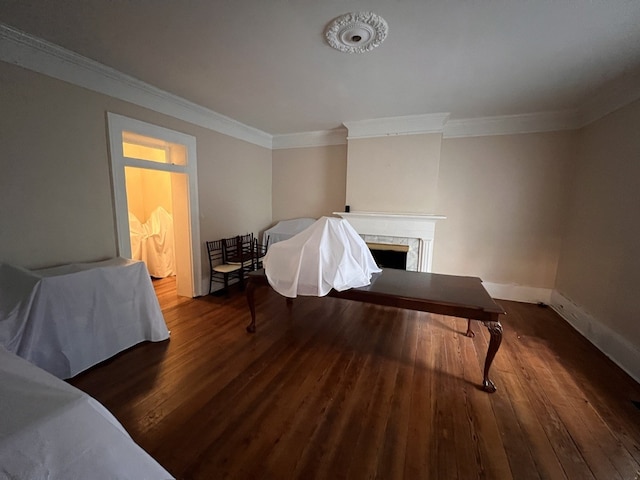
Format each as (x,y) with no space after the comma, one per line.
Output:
(518,293)
(622,352)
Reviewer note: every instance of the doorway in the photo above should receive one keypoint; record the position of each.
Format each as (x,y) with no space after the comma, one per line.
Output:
(145,153)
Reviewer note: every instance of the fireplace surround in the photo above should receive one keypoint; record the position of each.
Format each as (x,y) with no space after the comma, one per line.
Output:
(413,229)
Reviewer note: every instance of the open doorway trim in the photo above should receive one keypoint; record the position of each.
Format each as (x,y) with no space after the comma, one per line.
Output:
(119,124)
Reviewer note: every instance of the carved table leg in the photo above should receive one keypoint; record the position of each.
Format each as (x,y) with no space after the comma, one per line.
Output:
(469,333)
(251,328)
(495,330)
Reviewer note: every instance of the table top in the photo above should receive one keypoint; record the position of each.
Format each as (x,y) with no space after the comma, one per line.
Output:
(433,292)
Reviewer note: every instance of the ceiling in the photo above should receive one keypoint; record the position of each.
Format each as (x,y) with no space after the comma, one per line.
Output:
(266,63)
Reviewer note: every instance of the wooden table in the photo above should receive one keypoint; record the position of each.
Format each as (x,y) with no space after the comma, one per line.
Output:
(451,295)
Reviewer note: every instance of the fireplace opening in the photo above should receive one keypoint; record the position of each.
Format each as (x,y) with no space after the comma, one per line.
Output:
(389,256)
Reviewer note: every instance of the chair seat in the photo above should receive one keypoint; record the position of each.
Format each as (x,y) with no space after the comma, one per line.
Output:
(227,268)
(246,263)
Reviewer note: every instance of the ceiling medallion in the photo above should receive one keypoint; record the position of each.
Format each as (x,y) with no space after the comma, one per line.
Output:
(356,32)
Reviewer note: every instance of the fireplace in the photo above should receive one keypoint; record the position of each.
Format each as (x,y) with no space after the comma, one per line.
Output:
(388,255)
(415,231)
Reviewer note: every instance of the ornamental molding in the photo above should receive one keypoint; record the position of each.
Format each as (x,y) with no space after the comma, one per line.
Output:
(35,54)
(321,138)
(512,124)
(407,125)
(38,55)
(356,32)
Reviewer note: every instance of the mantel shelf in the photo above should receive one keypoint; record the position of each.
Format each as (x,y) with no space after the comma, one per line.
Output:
(399,216)
(401,225)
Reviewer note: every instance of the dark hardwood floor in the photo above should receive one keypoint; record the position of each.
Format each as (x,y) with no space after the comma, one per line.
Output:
(338,389)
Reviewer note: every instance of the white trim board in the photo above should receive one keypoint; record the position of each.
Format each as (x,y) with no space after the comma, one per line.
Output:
(321,138)
(512,124)
(518,293)
(117,125)
(407,125)
(622,352)
(470,127)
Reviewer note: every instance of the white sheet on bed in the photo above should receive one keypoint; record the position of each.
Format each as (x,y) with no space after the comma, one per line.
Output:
(327,255)
(66,319)
(51,430)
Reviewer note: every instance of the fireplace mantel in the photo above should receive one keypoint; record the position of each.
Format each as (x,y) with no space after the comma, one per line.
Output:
(400,225)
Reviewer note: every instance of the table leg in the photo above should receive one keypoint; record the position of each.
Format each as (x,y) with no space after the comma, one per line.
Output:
(251,328)
(495,330)
(469,332)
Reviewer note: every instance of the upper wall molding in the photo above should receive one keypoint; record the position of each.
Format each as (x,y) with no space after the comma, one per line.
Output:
(320,138)
(35,54)
(512,124)
(407,125)
(617,94)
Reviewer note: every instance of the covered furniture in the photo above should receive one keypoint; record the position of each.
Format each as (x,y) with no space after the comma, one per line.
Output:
(66,319)
(327,255)
(153,242)
(285,229)
(50,429)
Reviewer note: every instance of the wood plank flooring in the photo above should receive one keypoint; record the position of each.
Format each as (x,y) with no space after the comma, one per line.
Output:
(334,389)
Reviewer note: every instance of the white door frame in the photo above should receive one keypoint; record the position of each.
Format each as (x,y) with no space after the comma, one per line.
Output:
(119,124)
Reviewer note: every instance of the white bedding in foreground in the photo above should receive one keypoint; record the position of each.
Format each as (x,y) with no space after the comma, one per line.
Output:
(51,430)
(327,255)
(69,318)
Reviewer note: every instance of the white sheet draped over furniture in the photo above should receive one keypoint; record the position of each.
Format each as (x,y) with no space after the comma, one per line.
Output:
(329,254)
(153,242)
(286,229)
(50,429)
(66,319)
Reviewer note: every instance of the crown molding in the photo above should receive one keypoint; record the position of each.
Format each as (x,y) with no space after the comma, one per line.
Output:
(470,127)
(615,95)
(24,50)
(32,53)
(512,124)
(407,125)
(319,138)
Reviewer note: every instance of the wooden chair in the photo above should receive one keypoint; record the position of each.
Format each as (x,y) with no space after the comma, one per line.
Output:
(239,252)
(221,270)
(259,252)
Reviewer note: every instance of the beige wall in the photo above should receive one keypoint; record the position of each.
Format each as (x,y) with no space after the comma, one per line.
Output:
(504,199)
(397,173)
(55,189)
(146,191)
(309,182)
(599,267)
